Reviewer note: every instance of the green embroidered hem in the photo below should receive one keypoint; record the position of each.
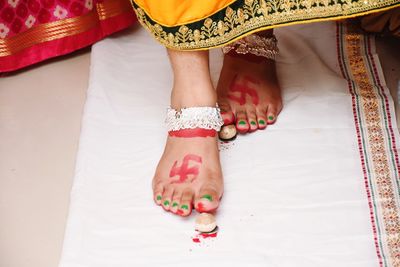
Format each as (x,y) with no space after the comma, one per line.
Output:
(243,17)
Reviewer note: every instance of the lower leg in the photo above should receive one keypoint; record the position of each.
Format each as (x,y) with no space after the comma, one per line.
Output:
(192,82)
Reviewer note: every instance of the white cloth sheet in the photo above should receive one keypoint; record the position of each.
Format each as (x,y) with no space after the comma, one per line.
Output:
(294,193)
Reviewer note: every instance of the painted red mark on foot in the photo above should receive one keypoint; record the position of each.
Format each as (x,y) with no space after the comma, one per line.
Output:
(200,207)
(243,89)
(251,79)
(180,212)
(228,117)
(197,132)
(196,240)
(252,130)
(184,170)
(242,130)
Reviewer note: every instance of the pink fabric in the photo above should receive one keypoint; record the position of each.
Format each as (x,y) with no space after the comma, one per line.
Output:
(17,16)
(65,45)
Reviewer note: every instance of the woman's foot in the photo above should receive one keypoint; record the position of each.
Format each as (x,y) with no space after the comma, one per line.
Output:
(189,175)
(189,172)
(248,92)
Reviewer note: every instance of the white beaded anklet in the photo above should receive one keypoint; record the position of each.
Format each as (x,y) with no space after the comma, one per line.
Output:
(208,118)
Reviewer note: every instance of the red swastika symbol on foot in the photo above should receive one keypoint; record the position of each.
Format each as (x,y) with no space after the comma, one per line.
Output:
(244,90)
(184,171)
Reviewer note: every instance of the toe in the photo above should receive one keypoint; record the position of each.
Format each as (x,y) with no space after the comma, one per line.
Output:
(226,112)
(175,203)
(207,200)
(274,108)
(185,207)
(261,119)
(228,117)
(252,119)
(242,124)
(158,190)
(272,114)
(167,197)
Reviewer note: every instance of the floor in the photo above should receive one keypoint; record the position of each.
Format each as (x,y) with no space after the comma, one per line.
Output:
(40,115)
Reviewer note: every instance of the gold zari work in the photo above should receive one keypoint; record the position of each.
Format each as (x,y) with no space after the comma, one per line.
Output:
(254,15)
(373,123)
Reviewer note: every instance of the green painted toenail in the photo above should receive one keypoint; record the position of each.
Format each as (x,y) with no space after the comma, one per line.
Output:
(271,118)
(166,203)
(185,207)
(242,122)
(261,122)
(159,197)
(253,123)
(174,204)
(207,197)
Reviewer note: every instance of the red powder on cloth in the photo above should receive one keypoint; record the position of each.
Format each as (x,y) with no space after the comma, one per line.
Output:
(201,237)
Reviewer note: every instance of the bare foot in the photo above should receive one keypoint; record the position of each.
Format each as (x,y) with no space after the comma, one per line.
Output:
(248,92)
(189,172)
(189,175)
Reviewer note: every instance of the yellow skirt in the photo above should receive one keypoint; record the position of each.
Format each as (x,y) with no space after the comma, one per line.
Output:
(205,24)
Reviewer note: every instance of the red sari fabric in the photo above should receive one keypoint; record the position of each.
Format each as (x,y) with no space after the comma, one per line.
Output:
(34,30)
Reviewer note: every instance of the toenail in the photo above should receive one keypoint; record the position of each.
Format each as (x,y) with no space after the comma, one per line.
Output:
(174,204)
(261,122)
(253,123)
(209,197)
(185,207)
(271,117)
(166,203)
(159,197)
(242,122)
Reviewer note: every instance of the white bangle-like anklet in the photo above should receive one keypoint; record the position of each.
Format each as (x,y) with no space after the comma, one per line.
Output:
(208,118)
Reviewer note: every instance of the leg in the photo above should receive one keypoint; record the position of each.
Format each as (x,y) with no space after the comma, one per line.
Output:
(189,172)
(248,91)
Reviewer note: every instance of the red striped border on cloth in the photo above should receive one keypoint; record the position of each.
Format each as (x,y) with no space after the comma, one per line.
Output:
(377,141)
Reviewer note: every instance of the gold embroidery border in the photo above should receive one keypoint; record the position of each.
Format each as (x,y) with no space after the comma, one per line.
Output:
(371,123)
(112,8)
(253,16)
(62,28)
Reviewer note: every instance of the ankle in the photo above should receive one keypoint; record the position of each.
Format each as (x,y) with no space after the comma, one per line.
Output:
(193,95)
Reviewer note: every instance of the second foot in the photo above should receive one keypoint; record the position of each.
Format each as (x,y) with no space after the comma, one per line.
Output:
(248,93)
